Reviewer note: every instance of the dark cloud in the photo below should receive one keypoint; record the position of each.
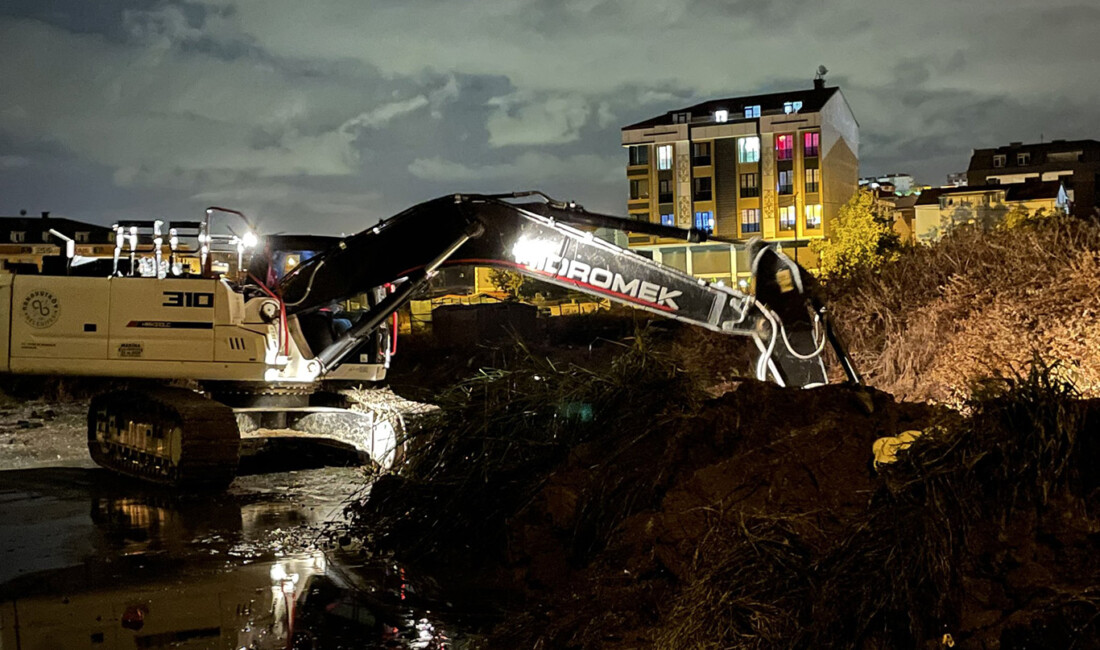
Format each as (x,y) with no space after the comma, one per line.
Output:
(321,116)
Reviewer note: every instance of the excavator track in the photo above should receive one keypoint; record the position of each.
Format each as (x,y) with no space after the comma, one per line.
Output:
(170,436)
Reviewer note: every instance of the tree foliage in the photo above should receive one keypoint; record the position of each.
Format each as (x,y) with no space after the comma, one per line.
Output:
(522,287)
(862,237)
(509,282)
(988,218)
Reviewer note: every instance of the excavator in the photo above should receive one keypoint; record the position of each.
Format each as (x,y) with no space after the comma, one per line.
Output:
(213,351)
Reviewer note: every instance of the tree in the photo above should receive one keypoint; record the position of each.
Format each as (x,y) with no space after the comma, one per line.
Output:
(509,282)
(522,287)
(862,237)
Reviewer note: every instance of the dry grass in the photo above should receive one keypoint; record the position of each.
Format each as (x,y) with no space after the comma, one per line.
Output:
(975,304)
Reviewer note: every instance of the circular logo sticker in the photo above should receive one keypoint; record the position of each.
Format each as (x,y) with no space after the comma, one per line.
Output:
(40,308)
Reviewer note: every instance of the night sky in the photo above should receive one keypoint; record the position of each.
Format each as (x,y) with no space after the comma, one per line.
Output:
(325,116)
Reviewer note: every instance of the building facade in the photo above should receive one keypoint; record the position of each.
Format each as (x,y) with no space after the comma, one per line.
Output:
(1075,163)
(27,240)
(937,208)
(895,183)
(778,166)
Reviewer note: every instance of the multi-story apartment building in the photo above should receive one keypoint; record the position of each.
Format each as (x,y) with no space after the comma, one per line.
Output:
(779,166)
(1076,163)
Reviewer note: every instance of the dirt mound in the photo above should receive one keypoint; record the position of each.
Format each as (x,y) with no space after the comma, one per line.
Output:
(643,520)
(758,449)
(626,507)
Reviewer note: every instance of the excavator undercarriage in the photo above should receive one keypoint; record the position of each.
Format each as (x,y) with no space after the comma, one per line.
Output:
(265,334)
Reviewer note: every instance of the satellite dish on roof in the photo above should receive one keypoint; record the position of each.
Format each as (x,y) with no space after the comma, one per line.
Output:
(821,72)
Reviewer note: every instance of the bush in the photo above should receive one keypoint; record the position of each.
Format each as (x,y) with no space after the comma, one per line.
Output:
(926,325)
(862,238)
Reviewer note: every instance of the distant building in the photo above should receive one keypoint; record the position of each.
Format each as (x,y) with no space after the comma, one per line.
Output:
(895,183)
(938,206)
(778,166)
(957,179)
(26,240)
(1076,163)
(905,217)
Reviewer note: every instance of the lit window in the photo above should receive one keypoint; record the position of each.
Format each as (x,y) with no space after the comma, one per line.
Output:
(721,115)
(999,160)
(639,189)
(752,111)
(813,180)
(749,149)
(750,185)
(1023,158)
(668,220)
(18,236)
(702,188)
(784,147)
(810,143)
(750,220)
(704,221)
(785,184)
(83,237)
(786,218)
(639,155)
(664,157)
(791,107)
(813,216)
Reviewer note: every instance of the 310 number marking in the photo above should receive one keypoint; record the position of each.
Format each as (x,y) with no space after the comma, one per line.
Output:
(188,299)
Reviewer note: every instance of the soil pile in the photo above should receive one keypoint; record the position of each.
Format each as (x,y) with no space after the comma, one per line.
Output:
(977,303)
(630,507)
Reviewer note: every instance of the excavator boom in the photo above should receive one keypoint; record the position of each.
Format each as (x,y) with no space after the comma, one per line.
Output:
(542,240)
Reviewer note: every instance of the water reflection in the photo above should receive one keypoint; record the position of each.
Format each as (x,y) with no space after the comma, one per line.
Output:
(369,607)
(151,569)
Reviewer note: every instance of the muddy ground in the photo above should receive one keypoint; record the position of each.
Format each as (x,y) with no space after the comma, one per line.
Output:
(84,552)
(41,434)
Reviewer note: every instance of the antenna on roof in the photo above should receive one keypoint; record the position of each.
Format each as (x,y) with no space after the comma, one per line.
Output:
(819,78)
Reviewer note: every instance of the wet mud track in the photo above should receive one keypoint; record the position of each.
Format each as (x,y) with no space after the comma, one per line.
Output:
(90,558)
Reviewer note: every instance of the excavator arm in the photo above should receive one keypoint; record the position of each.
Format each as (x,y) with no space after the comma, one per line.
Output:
(543,239)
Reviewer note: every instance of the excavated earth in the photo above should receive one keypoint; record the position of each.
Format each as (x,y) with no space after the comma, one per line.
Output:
(758,518)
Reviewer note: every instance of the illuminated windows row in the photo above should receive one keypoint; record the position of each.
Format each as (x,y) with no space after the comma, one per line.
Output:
(784,145)
(785,183)
(749,186)
(723,115)
(748,150)
(750,218)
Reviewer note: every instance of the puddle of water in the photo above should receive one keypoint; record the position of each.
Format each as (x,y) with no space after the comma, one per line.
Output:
(91,561)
